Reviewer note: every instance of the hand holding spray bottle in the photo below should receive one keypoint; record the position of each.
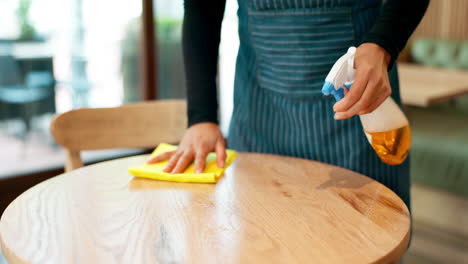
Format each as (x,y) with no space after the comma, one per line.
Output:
(386,128)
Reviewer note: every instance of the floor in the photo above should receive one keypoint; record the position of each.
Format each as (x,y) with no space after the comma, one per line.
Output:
(432,246)
(22,151)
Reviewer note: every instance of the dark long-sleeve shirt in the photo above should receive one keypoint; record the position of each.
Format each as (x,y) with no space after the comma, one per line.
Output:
(201,37)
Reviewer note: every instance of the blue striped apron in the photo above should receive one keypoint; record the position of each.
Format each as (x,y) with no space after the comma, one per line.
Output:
(286,49)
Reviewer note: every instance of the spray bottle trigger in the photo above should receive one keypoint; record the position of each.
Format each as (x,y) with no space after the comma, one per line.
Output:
(348,85)
(338,94)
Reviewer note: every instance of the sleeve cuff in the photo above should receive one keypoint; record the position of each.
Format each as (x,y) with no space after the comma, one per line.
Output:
(196,118)
(386,44)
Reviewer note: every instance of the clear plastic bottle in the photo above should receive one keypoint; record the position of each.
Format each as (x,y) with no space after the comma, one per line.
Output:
(386,128)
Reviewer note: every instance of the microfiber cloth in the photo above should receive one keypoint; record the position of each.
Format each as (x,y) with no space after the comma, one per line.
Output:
(211,173)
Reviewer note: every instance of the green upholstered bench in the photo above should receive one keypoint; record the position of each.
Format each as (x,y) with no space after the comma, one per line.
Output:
(439,153)
(439,173)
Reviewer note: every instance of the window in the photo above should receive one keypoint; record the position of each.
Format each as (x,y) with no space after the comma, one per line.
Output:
(169,18)
(80,53)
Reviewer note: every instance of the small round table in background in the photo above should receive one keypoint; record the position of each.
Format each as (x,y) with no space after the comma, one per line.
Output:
(266,209)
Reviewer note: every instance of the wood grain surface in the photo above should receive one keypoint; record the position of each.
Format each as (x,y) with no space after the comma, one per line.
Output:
(266,209)
(423,86)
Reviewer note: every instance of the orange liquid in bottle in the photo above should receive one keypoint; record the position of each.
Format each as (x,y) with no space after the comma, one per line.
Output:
(392,146)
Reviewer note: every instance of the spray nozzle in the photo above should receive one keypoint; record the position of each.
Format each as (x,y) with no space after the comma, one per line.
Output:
(341,76)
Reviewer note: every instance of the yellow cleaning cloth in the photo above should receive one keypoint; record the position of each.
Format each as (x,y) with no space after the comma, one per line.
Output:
(211,174)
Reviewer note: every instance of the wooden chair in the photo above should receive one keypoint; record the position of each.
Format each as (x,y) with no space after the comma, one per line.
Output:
(138,125)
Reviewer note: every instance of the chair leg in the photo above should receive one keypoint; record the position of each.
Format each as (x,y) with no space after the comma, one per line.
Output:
(29,111)
(72,160)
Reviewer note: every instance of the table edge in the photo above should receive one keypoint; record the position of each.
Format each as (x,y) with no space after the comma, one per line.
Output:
(394,254)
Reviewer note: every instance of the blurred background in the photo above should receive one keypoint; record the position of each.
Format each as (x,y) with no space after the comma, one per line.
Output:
(84,53)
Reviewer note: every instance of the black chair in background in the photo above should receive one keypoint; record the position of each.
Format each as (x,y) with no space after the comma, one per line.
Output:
(27,87)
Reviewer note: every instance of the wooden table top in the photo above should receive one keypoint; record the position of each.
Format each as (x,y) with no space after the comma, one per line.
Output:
(266,209)
(423,86)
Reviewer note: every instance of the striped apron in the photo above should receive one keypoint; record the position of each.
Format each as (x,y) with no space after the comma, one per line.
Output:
(287,47)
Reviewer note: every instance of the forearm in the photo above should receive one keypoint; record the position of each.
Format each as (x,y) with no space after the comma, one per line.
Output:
(201,37)
(396,23)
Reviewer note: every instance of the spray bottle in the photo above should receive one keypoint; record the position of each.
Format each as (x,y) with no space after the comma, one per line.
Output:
(386,128)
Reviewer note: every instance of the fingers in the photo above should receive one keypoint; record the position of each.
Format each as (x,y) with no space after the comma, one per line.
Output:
(199,140)
(358,106)
(371,87)
(378,94)
(184,161)
(220,150)
(374,95)
(180,160)
(200,160)
(173,161)
(355,92)
(161,157)
(375,104)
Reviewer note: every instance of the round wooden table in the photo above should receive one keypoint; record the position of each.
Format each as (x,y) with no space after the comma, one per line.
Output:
(266,209)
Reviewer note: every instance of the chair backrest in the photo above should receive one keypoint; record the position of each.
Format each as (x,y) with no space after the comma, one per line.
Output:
(138,125)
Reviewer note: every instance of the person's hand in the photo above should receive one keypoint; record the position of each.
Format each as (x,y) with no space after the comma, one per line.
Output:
(199,140)
(371,86)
